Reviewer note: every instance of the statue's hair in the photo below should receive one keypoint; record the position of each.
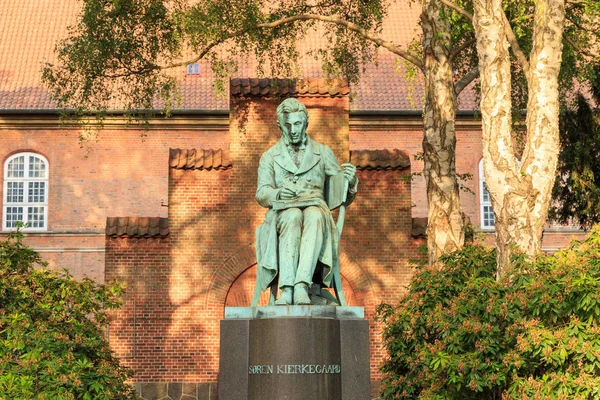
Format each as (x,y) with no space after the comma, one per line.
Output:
(287,106)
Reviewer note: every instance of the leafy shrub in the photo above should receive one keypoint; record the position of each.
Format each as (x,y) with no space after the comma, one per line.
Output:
(460,334)
(51,343)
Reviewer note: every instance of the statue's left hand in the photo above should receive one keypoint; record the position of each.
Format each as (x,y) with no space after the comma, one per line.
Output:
(350,173)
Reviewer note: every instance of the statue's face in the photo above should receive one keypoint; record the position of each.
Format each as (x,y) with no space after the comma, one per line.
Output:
(294,127)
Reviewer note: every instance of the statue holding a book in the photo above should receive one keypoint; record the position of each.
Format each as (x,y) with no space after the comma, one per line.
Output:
(300,182)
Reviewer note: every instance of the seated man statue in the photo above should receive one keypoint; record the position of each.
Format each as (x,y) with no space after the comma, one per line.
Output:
(299,231)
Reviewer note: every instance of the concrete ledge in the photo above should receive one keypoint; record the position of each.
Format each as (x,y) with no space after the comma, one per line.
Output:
(334,312)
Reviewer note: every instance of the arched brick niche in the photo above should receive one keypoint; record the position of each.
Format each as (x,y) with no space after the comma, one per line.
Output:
(241,290)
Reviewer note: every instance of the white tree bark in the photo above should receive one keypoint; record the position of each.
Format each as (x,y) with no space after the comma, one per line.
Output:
(446,227)
(520,193)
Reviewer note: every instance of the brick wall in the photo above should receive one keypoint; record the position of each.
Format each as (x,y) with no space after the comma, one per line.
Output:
(143,264)
(468,155)
(124,172)
(208,260)
(405,133)
(376,247)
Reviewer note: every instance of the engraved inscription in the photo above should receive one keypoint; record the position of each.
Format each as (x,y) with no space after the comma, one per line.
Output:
(294,369)
(260,369)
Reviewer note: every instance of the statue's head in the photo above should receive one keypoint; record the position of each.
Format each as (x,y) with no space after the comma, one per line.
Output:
(292,119)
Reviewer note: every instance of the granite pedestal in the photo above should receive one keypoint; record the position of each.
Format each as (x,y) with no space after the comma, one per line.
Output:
(294,353)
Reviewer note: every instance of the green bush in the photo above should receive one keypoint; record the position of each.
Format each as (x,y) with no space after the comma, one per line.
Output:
(460,334)
(51,343)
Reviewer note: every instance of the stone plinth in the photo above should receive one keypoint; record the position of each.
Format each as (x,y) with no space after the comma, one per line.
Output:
(293,353)
(176,391)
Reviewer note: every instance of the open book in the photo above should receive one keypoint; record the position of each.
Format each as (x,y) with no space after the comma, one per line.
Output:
(298,202)
(336,192)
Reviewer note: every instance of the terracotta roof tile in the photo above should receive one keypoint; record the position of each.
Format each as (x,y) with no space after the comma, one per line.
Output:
(279,87)
(137,226)
(29,33)
(393,159)
(199,159)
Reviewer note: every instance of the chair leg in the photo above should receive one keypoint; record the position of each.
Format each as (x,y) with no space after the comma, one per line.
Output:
(273,295)
(272,289)
(337,285)
(256,296)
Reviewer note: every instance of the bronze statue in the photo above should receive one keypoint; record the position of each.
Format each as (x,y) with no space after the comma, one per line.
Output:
(299,232)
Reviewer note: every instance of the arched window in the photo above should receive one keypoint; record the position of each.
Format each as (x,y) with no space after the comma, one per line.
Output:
(25,192)
(485,202)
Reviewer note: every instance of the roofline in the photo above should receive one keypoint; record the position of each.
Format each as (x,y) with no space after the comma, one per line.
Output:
(358,113)
(409,120)
(54,111)
(407,113)
(214,120)
(219,119)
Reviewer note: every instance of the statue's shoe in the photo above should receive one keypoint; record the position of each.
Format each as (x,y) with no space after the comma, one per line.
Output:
(285,297)
(301,297)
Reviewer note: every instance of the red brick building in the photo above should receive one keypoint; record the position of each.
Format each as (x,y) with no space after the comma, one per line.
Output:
(181,222)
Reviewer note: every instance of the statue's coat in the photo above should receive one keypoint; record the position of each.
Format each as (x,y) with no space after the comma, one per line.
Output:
(276,169)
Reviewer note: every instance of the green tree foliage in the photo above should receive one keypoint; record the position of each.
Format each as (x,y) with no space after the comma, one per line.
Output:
(460,334)
(577,187)
(580,55)
(120,52)
(51,343)
(578,81)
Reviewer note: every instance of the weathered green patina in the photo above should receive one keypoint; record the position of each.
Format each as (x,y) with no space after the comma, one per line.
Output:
(299,232)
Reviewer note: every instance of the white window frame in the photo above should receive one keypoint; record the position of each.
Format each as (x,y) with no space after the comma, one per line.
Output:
(28,182)
(486,212)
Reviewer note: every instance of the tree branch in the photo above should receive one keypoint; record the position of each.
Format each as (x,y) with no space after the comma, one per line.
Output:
(457,9)
(577,48)
(516,49)
(460,48)
(466,80)
(307,17)
(577,24)
(131,72)
(320,5)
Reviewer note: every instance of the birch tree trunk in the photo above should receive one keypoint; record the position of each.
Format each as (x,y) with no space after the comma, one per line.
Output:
(520,193)
(446,226)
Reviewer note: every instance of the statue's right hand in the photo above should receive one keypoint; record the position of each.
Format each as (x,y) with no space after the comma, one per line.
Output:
(286,193)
